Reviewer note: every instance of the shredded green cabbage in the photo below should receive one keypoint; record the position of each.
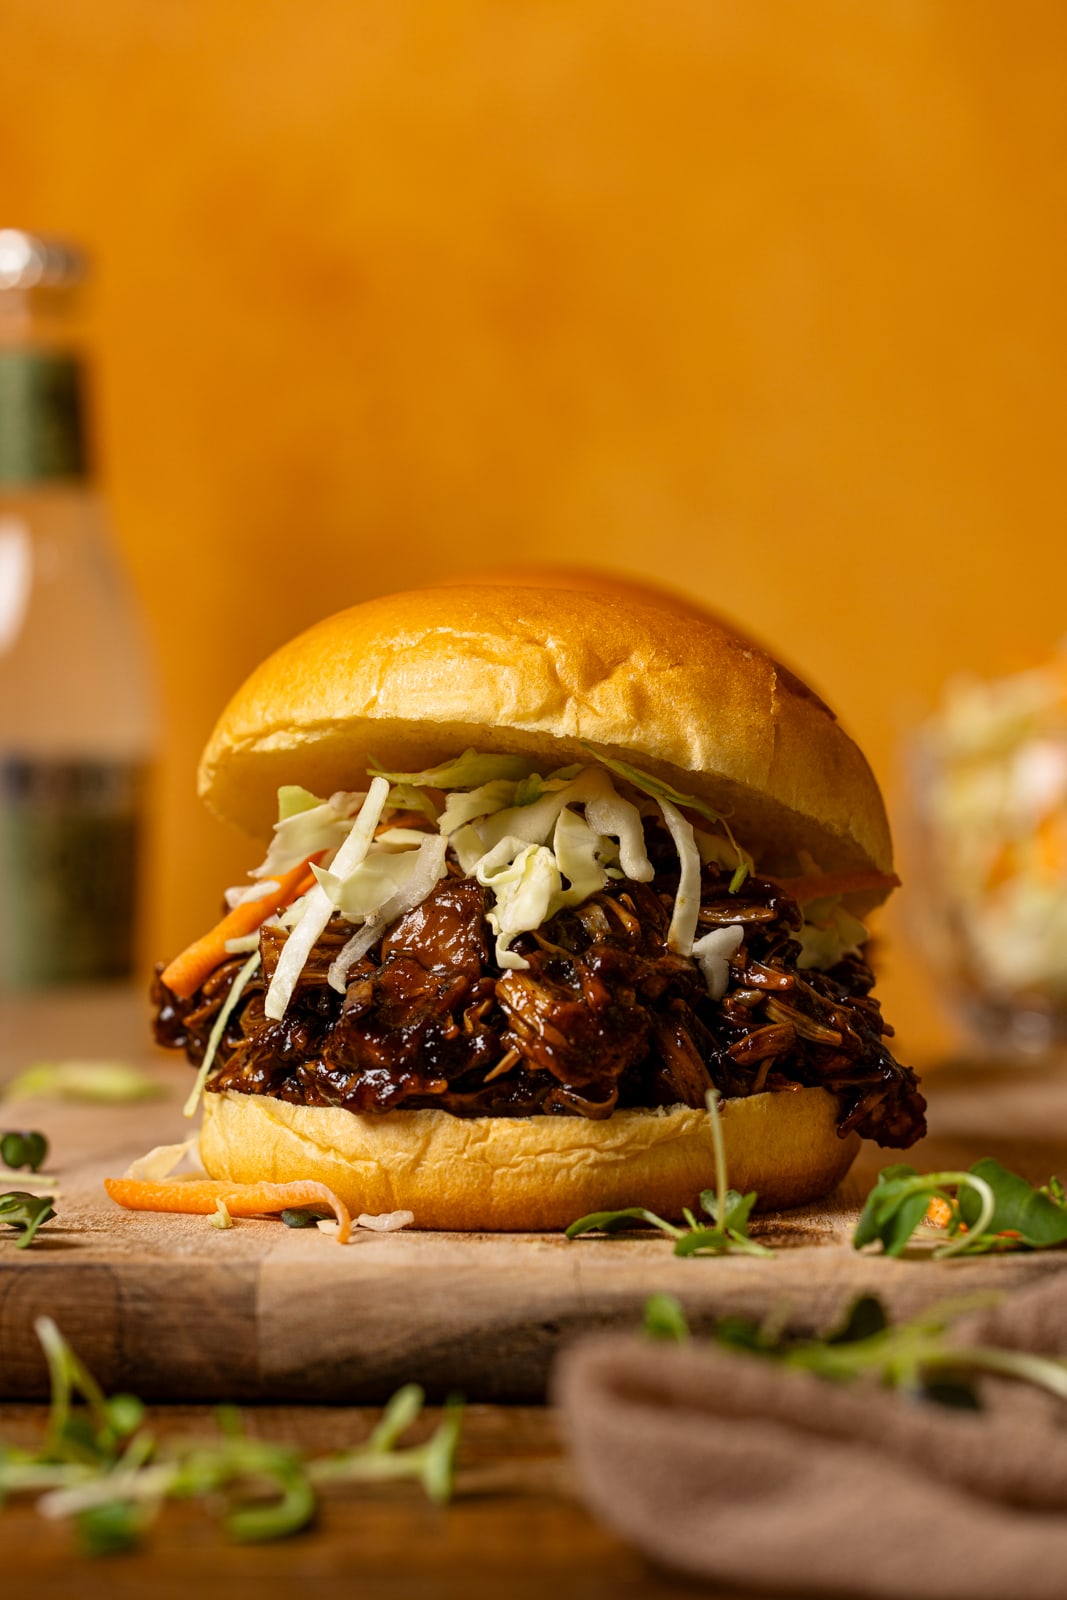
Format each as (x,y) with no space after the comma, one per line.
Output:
(468,848)
(322,826)
(608,813)
(400,838)
(423,868)
(533,787)
(715,850)
(318,908)
(527,879)
(462,806)
(664,791)
(515,830)
(292,799)
(534,822)
(463,772)
(377,879)
(682,931)
(407,797)
(578,855)
(159,1163)
(524,888)
(829,932)
(654,786)
(712,954)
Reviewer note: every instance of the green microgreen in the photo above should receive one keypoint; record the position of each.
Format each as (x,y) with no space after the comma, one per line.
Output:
(102,1467)
(622,1222)
(729,1211)
(94,1082)
(242,1463)
(740,872)
(23,1149)
(665,1319)
(19,1209)
(432,1463)
(113,1526)
(914,1356)
(398,1416)
(989,1209)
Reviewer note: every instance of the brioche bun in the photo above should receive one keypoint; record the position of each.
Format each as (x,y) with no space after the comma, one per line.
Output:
(546,671)
(508,1174)
(413,678)
(587,580)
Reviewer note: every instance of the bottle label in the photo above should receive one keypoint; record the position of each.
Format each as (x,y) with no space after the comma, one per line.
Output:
(69,847)
(41,433)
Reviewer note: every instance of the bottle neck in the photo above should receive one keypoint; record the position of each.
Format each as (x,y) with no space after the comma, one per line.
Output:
(42,434)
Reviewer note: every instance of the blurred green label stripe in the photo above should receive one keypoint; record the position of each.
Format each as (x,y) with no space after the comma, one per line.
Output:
(69,846)
(41,434)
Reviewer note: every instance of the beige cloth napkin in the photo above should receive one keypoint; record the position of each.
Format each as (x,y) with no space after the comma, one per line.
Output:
(731,1468)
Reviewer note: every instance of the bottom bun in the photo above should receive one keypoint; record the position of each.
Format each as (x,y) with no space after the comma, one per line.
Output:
(520,1174)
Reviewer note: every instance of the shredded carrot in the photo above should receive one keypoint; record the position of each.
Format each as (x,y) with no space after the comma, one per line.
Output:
(200,1197)
(187,972)
(820,885)
(939,1215)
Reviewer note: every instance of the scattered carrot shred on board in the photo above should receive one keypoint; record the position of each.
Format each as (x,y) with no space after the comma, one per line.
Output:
(200,1196)
(939,1213)
(187,972)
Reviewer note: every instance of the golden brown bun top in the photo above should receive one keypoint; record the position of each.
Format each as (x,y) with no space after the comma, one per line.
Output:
(556,575)
(412,678)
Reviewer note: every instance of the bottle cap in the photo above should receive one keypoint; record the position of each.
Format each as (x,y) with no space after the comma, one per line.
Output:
(31,261)
(41,433)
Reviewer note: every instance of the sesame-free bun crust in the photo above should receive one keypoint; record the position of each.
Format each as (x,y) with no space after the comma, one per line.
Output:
(414,678)
(527,1174)
(588,580)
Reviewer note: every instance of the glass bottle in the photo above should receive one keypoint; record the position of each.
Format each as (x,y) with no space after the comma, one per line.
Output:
(76,715)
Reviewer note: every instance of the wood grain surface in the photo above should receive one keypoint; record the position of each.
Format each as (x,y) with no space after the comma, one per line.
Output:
(173,1308)
(515,1527)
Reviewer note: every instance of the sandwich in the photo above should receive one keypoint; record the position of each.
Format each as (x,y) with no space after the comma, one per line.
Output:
(543,870)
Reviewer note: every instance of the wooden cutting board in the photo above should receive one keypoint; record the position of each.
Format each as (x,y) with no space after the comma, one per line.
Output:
(171,1307)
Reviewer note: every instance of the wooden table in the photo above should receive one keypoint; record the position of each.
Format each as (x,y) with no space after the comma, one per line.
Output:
(516,1527)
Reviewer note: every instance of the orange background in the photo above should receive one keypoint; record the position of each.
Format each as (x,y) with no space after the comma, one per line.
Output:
(764,301)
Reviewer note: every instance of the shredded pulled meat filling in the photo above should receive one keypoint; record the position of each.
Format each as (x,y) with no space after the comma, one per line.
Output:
(605,1016)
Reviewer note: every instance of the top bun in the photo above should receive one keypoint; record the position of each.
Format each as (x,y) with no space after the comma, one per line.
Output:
(412,678)
(597,580)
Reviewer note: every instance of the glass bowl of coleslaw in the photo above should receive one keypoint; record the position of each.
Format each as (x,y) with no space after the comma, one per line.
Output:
(989,791)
